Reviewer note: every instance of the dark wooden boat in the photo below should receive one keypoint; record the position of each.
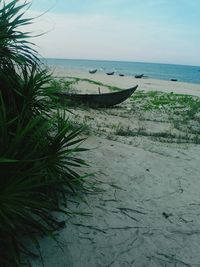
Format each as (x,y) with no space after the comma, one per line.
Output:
(110,73)
(121,74)
(139,76)
(174,80)
(98,100)
(93,71)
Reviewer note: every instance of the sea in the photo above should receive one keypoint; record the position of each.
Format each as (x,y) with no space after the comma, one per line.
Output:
(182,73)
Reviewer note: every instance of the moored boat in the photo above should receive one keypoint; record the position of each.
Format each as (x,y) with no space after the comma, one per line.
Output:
(139,76)
(98,100)
(92,71)
(110,73)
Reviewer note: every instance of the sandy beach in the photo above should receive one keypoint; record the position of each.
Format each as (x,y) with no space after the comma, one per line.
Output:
(99,133)
(147,84)
(145,161)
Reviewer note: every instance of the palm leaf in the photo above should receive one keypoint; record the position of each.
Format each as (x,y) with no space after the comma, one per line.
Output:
(39,161)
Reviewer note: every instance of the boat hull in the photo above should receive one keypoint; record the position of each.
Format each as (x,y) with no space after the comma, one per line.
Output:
(99,100)
(110,73)
(139,76)
(93,71)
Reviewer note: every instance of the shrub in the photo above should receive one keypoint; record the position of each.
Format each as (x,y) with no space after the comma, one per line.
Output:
(38,148)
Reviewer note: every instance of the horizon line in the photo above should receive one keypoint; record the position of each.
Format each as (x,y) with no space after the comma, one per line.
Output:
(115,60)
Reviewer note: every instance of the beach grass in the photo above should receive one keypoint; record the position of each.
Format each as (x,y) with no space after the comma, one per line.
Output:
(179,110)
(183,111)
(167,137)
(177,103)
(64,84)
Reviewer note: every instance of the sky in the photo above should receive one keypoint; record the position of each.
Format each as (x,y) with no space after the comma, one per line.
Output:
(163,31)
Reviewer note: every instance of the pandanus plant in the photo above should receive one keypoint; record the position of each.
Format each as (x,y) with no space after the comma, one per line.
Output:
(38,147)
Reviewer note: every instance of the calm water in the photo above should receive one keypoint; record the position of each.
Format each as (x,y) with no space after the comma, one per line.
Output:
(182,73)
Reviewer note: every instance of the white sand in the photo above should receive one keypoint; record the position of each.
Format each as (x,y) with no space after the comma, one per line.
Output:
(146,84)
(152,217)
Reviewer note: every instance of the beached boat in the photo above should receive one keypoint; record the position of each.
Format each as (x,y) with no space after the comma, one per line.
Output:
(139,76)
(98,100)
(110,73)
(92,71)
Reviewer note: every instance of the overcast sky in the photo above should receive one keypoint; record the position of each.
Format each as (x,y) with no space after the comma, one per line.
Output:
(165,31)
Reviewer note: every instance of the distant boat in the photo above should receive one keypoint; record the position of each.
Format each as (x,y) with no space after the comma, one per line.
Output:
(174,80)
(120,74)
(139,76)
(92,71)
(110,73)
(98,100)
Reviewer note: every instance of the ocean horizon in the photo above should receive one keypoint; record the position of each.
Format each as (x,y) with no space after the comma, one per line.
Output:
(162,71)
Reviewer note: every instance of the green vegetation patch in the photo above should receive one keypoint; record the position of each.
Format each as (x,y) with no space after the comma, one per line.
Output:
(159,100)
(182,111)
(166,137)
(63,84)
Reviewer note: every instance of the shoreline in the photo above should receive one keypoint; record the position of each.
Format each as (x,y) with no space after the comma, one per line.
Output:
(182,73)
(146,84)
